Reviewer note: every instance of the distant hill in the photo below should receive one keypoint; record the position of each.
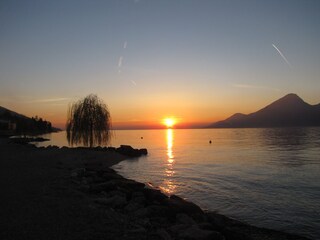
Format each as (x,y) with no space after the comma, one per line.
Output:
(289,111)
(20,124)
(8,114)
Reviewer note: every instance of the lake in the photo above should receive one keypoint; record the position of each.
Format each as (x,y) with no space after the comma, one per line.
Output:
(265,177)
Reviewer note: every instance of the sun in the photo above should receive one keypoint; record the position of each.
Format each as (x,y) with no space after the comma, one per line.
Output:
(169,122)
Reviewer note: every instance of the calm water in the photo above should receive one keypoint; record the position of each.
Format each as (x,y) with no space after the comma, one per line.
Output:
(266,177)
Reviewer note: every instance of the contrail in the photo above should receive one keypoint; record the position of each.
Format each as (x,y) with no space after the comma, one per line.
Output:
(133,82)
(120,62)
(281,54)
(125,44)
(48,100)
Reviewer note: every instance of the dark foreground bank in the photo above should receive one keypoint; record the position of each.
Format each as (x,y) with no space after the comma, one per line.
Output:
(52,193)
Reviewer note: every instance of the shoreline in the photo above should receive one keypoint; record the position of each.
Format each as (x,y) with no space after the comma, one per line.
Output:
(66,193)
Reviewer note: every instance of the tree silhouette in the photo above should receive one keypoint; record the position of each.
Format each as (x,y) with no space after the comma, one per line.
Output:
(89,122)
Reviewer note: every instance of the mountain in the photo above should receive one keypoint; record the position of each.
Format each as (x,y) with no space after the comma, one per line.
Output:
(17,123)
(289,111)
(8,114)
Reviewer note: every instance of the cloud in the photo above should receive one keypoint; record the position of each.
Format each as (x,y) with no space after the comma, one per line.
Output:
(248,86)
(48,100)
(28,100)
(282,55)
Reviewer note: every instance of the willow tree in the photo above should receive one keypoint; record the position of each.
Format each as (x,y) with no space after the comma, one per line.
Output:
(89,122)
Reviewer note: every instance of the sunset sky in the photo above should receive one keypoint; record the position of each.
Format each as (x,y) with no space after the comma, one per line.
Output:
(197,61)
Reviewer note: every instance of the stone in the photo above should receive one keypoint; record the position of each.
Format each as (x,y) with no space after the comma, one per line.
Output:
(138,230)
(141,213)
(106,186)
(220,222)
(130,151)
(133,206)
(143,151)
(111,176)
(118,193)
(111,149)
(98,148)
(129,184)
(163,234)
(184,219)
(137,195)
(152,211)
(154,195)
(86,180)
(175,229)
(115,201)
(206,226)
(158,211)
(195,233)
(179,205)
(78,172)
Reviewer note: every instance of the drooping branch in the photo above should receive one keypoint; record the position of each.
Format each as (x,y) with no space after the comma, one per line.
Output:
(88,122)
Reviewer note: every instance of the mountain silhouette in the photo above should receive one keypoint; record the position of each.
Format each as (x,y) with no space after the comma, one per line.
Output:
(24,124)
(289,111)
(9,115)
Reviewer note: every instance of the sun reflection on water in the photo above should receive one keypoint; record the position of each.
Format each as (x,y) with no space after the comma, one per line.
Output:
(168,185)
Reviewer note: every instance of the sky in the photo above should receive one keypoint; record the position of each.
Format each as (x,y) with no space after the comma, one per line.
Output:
(197,61)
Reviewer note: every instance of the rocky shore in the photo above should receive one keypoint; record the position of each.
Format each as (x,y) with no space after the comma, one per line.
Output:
(63,193)
(150,214)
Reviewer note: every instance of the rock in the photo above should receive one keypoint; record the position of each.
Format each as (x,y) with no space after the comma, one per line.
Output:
(205,226)
(84,188)
(138,198)
(143,151)
(98,148)
(153,211)
(52,147)
(179,205)
(130,151)
(184,219)
(115,216)
(138,230)
(111,149)
(195,233)
(117,192)
(141,213)
(89,173)
(220,222)
(137,195)
(115,201)
(175,229)
(111,176)
(158,211)
(78,172)
(163,234)
(133,206)
(130,184)
(86,180)
(106,186)
(154,195)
